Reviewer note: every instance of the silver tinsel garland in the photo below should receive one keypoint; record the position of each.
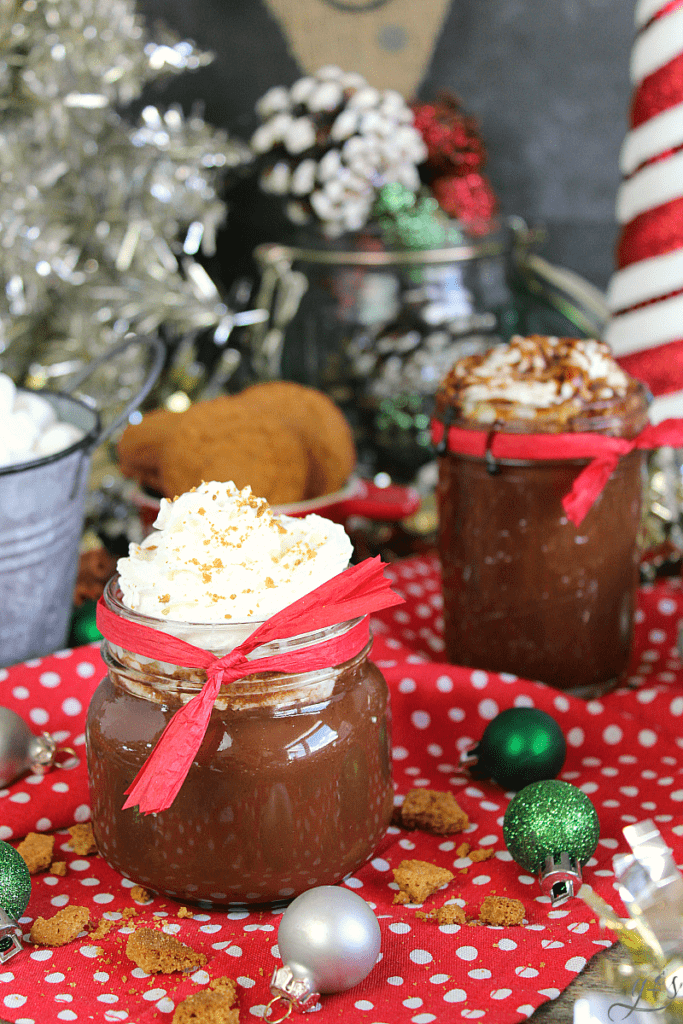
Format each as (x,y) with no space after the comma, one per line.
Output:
(100,219)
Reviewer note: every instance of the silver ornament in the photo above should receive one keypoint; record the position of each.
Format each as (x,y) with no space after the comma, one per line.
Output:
(21,751)
(329,940)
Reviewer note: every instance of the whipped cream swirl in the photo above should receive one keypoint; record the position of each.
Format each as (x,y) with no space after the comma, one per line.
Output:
(220,555)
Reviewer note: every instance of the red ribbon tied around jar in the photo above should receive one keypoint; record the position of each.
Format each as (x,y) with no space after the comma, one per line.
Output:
(603,452)
(357,591)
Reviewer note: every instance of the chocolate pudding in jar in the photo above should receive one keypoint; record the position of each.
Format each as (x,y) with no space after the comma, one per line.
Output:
(527,592)
(291,787)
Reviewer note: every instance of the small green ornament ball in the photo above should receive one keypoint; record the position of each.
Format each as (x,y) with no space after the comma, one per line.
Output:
(520,746)
(15,881)
(547,819)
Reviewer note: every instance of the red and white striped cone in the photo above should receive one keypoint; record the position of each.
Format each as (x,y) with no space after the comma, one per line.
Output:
(645,295)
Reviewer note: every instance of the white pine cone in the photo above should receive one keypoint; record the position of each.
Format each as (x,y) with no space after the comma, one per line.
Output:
(330,142)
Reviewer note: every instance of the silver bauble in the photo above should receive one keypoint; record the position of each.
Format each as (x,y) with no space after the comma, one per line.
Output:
(329,940)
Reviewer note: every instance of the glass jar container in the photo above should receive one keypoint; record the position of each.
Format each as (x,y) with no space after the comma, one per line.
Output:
(291,787)
(526,591)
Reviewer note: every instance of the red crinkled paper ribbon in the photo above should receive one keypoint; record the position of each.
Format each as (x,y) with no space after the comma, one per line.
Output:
(357,591)
(604,453)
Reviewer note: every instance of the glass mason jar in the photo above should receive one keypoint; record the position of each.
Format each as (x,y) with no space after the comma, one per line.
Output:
(377,327)
(525,591)
(291,787)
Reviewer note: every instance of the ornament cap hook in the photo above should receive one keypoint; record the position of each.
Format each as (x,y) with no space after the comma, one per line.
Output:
(470,756)
(294,985)
(10,936)
(560,878)
(285,1015)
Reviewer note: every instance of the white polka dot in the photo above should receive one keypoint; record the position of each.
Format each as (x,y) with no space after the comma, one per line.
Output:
(479,974)
(20,798)
(506,945)
(677,795)
(435,750)
(612,734)
(20,693)
(561,703)
(5,832)
(488,709)
(246,982)
(466,953)
(407,686)
(42,954)
(526,972)
(49,679)
(676,707)
(481,880)
(108,997)
(575,737)
(420,719)
(501,993)
(395,980)
(60,787)
(71,706)
(647,738)
(237,951)
(103,897)
(353,883)
(380,864)
(551,993)
(364,1004)
(15,1000)
(575,963)
(399,753)
(153,994)
(399,928)
(444,684)
(456,714)
(455,995)
(85,670)
(413,1003)
(55,978)
(39,716)
(82,813)
(421,956)
(90,951)
(438,979)
(479,680)
(629,790)
(588,787)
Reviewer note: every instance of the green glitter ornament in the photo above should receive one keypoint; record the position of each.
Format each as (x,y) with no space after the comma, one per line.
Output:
(15,892)
(551,828)
(518,747)
(83,629)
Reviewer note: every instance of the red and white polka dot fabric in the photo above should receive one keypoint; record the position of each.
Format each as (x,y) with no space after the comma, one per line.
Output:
(624,750)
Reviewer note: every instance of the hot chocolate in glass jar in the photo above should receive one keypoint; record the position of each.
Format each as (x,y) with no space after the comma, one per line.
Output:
(291,786)
(526,591)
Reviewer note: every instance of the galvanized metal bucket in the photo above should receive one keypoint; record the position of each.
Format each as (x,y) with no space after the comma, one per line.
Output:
(42,508)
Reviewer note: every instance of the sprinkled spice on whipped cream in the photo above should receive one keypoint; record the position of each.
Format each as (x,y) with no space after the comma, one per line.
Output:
(218,554)
(551,381)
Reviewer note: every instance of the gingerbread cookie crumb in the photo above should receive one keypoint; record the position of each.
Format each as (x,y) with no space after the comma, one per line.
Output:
(36,849)
(419,879)
(448,914)
(60,929)
(463,850)
(82,839)
(207,1008)
(128,912)
(401,898)
(103,928)
(433,811)
(478,855)
(140,894)
(158,953)
(58,867)
(225,985)
(501,910)
(184,912)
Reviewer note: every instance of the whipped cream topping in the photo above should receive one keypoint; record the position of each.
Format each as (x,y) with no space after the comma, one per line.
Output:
(536,375)
(29,427)
(220,555)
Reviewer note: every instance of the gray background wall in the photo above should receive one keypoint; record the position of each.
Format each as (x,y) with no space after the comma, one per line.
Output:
(547,80)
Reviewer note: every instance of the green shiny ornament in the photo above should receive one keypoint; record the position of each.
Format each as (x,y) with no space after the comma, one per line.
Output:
(551,828)
(83,628)
(518,747)
(15,892)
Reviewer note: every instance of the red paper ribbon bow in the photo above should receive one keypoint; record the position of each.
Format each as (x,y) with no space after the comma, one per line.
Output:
(357,591)
(604,453)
